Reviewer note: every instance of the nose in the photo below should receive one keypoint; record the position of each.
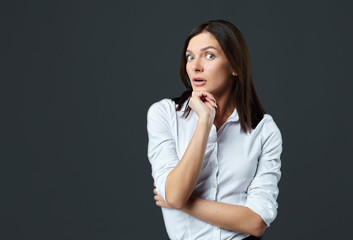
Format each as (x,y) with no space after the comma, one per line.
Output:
(197,65)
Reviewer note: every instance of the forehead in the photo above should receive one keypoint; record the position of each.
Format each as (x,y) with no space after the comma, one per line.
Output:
(202,40)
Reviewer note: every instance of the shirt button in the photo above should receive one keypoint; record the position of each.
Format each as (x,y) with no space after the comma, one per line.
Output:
(215,165)
(215,144)
(213,185)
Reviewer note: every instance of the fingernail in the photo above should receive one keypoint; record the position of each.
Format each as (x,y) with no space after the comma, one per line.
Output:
(216,105)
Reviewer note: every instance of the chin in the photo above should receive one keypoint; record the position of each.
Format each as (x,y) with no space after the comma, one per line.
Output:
(201,89)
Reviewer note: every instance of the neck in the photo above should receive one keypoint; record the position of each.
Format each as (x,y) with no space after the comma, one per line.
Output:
(225,109)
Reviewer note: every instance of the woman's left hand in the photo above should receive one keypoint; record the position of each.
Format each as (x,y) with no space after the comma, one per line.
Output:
(159,200)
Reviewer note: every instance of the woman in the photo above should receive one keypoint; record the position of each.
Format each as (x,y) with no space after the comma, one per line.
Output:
(215,154)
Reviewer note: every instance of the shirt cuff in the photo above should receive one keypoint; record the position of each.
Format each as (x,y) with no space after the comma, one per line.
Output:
(265,209)
(160,185)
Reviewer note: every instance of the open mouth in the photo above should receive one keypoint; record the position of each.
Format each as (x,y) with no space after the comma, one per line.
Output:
(199,81)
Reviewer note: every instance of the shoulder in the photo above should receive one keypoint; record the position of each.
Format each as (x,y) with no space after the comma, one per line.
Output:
(268,123)
(162,108)
(269,128)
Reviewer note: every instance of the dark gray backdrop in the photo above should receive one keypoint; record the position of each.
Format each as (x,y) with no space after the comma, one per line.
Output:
(77,79)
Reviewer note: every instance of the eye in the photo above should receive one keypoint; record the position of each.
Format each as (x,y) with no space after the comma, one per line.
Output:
(189,57)
(210,56)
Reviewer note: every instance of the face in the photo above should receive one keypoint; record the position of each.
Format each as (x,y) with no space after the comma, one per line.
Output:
(207,66)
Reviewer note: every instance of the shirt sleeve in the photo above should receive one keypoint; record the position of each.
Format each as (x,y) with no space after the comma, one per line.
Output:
(161,144)
(263,190)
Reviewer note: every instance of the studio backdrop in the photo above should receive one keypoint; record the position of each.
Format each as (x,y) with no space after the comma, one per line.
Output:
(77,79)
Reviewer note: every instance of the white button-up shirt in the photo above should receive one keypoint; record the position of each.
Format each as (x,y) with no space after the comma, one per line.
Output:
(238,168)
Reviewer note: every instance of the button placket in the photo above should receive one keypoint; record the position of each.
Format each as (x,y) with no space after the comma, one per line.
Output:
(215,170)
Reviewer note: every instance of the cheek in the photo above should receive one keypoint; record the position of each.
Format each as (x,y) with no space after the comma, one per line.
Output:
(226,68)
(221,70)
(188,70)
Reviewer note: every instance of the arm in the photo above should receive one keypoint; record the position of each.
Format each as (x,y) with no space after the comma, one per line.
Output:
(232,217)
(263,190)
(261,207)
(175,180)
(182,179)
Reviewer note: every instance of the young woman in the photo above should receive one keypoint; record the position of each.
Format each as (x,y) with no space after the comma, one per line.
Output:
(214,152)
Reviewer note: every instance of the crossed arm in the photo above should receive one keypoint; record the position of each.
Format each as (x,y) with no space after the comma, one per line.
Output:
(232,217)
(182,179)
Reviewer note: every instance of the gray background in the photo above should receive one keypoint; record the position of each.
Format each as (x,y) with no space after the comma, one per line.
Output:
(77,78)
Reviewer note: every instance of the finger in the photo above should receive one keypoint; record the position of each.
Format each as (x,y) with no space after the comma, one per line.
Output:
(209,95)
(205,96)
(154,184)
(212,102)
(210,99)
(201,97)
(198,94)
(155,191)
(155,197)
(210,105)
(159,203)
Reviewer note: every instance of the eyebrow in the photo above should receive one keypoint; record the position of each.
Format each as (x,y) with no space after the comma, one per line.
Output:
(205,48)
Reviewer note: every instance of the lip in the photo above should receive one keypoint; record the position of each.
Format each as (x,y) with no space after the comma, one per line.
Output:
(198,83)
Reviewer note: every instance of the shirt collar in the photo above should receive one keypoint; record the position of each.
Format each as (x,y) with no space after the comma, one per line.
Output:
(234,116)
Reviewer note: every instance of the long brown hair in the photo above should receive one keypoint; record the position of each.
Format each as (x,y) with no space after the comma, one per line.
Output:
(244,95)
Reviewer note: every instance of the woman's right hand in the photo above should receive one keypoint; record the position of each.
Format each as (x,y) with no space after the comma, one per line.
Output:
(204,104)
